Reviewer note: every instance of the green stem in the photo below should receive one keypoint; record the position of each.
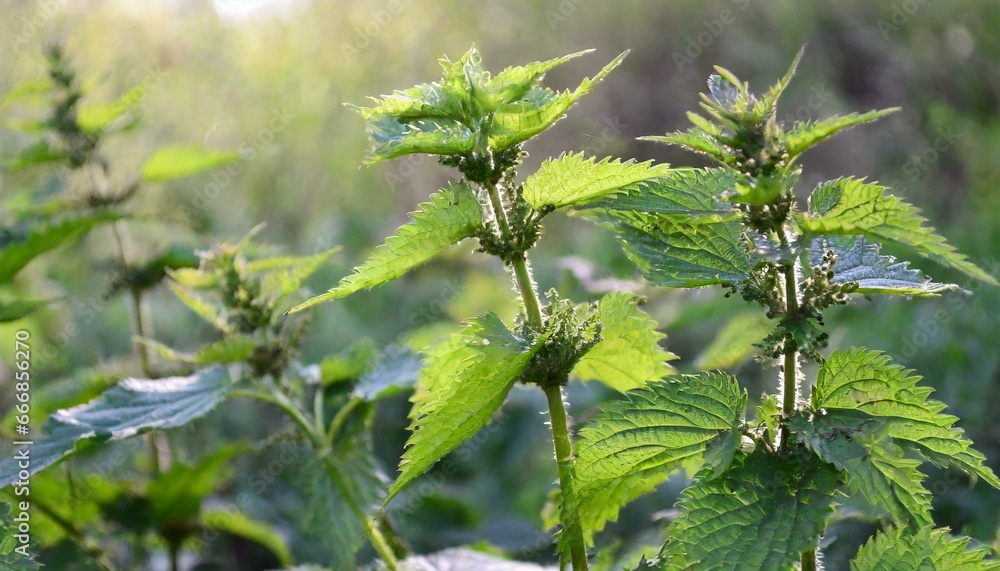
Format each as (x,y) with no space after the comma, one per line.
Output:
(790,387)
(340,418)
(522,275)
(807,560)
(137,323)
(317,439)
(572,526)
(564,457)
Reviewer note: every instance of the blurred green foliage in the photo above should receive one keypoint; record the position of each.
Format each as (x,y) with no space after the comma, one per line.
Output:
(269,81)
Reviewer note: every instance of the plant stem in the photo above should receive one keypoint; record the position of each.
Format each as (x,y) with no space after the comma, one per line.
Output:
(317,439)
(553,393)
(790,388)
(522,276)
(564,457)
(340,418)
(137,322)
(807,561)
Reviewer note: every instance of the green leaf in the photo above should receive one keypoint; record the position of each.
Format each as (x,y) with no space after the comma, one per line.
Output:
(759,514)
(440,136)
(692,195)
(330,525)
(38,154)
(96,118)
(10,558)
(851,206)
(448,116)
(285,275)
(177,162)
(538,110)
(734,343)
(571,179)
(177,494)
(760,190)
(349,364)
(876,468)
(928,549)
(229,349)
(211,312)
(452,215)
(859,261)
(464,382)
(803,136)
(31,89)
(864,381)
(635,443)
(238,524)
(513,82)
(20,245)
(392,374)
(697,141)
(628,355)
(20,307)
(682,253)
(132,407)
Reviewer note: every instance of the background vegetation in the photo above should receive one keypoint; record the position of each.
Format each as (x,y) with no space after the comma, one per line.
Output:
(270,79)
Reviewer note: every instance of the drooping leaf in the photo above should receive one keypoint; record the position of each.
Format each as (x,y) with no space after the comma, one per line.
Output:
(131,407)
(571,179)
(539,109)
(805,135)
(859,261)
(851,206)
(635,443)
(692,195)
(18,246)
(464,382)
(876,468)
(928,549)
(391,374)
(891,402)
(734,343)
(759,514)
(629,354)
(238,524)
(170,163)
(452,215)
(681,253)
(394,138)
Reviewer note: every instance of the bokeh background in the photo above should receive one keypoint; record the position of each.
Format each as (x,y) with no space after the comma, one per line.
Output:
(269,77)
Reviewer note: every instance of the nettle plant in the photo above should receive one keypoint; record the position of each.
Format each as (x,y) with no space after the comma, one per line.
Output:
(765,488)
(477,123)
(124,510)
